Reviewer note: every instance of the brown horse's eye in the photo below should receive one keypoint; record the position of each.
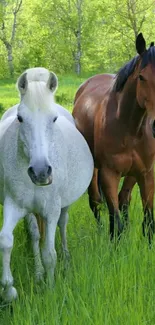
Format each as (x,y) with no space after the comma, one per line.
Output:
(20,119)
(141,78)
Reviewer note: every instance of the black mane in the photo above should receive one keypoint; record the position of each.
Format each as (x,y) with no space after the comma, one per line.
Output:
(124,73)
(127,70)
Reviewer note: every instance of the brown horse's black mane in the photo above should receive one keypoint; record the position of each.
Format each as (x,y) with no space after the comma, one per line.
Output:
(127,69)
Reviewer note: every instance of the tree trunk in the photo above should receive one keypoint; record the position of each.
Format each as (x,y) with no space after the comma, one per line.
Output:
(78,54)
(10,60)
(9,43)
(9,57)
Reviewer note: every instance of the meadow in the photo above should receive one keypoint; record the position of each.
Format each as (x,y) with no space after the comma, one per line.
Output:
(104,283)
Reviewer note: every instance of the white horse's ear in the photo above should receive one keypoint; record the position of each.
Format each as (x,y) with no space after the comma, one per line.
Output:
(22,83)
(52,82)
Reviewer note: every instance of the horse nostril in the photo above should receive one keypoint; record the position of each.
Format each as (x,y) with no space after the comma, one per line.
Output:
(49,170)
(39,173)
(31,171)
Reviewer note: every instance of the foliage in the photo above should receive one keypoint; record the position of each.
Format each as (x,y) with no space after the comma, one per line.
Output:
(97,35)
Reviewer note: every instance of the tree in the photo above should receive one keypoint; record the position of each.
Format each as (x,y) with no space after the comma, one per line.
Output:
(72,35)
(71,24)
(127,19)
(70,14)
(7,33)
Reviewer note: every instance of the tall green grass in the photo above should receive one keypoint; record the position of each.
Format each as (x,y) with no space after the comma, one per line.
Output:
(104,284)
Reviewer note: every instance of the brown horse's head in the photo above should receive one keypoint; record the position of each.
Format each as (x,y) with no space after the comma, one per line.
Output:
(141,70)
(146,76)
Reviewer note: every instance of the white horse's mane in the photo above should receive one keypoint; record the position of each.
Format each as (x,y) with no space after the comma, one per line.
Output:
(38,95)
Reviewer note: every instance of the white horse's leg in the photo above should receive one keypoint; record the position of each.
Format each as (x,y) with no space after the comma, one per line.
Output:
(62,223)
(35,235)
(12,214)
(49,255)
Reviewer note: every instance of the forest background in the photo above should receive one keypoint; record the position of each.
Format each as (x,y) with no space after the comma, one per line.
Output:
(72,36)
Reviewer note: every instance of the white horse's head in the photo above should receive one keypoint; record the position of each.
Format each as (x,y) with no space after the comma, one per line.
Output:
(37,116)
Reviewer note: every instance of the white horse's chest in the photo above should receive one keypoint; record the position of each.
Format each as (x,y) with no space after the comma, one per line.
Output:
(29,196)
(36,199)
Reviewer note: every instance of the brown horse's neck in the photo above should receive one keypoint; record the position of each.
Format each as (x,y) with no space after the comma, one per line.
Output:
(131,115)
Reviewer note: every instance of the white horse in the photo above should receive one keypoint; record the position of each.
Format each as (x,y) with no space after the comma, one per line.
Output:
(45,165)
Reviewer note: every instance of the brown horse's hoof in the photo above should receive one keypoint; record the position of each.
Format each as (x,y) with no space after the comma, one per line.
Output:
(116,234)
(148,231)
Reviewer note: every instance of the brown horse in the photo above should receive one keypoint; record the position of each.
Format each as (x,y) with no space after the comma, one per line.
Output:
(114,114)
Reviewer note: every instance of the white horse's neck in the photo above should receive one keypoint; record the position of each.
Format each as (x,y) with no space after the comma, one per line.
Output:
(5,124)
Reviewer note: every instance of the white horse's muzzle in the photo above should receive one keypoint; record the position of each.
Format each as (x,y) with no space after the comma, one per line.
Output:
(40,175)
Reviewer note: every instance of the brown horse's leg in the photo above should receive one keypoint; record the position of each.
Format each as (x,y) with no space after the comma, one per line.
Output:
(94,196)
(146,185)
(62,223)
(41,226)
(109,181)
(125,196)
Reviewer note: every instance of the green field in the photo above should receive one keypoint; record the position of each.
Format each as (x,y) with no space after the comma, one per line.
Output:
(104,284)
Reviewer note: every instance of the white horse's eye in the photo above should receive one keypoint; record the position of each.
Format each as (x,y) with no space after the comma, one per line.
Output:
(55,118)
(20,119)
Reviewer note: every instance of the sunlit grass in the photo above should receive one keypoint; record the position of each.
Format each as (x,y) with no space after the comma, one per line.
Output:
(104,283)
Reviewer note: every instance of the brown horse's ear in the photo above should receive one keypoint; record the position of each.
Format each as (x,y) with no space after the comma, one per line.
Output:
(140,44)
(152,44)
(22,83)
(52,82)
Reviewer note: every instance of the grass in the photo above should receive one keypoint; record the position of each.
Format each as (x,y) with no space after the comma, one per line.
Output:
(65,94)
(104,284)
